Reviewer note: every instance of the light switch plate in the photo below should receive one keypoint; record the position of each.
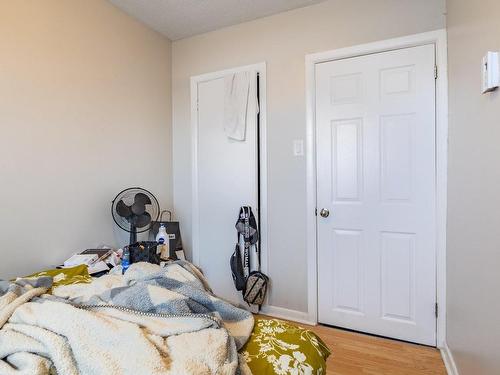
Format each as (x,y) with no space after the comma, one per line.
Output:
(491,72)
(298,147)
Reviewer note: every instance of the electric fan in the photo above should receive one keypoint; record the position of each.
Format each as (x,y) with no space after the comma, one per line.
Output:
(133,210)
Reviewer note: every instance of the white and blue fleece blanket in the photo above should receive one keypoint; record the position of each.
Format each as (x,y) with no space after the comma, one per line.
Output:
(149,321)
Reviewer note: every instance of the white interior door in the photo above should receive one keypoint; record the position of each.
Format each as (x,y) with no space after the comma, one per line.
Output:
(376,166)
(227,178)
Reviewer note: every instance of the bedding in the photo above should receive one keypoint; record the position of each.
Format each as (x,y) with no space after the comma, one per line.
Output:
(151,320)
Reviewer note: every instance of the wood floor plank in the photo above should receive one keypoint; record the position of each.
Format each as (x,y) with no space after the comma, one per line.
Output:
(359,354)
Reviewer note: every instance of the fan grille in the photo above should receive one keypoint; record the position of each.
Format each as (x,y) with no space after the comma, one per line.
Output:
(126,198)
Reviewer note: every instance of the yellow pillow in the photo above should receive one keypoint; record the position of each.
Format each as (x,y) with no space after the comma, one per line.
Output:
(276,347)
(65,276)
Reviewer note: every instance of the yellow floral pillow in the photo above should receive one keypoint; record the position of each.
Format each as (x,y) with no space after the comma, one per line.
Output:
(276,347)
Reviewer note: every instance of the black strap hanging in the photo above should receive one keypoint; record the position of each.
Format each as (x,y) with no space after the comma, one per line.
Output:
(255,282)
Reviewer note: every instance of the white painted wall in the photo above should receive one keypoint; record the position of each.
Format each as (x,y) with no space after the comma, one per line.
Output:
(283,41)
(473,271)
(85,111)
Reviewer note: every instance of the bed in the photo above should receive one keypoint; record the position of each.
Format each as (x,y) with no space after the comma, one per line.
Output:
(151,320)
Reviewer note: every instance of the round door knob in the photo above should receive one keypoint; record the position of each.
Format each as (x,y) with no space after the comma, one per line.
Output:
(324,212)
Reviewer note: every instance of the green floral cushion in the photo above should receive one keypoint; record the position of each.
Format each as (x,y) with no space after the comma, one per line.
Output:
(276,347)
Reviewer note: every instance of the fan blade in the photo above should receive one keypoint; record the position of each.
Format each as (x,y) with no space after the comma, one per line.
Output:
(141,220)
(142,198)
(138,208)
(122,209)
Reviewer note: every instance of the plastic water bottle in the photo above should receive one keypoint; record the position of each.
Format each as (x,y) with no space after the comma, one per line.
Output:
(125,260)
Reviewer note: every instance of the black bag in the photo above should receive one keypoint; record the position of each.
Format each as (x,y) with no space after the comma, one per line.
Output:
(255,285)
(237,269)
(173,230)
(256,288)
(144,251)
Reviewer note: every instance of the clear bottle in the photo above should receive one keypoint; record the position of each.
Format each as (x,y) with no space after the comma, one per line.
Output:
(125,260)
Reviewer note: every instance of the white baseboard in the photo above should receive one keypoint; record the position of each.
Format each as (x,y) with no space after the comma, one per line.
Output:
(282,313)
(448,360)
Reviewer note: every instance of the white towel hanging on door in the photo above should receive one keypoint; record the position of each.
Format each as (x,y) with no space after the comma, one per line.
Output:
(240,103)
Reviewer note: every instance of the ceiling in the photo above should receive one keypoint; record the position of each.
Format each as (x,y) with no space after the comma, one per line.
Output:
(179,19)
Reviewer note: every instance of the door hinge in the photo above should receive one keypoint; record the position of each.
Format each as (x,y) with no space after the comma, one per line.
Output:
(435,72)
(436,310)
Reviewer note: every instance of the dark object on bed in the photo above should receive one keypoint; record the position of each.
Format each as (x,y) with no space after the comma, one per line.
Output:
(173,230)
(144,251)
(134,209)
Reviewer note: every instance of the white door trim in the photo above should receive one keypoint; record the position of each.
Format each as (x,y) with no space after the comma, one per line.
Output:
(195,80)
(438,38)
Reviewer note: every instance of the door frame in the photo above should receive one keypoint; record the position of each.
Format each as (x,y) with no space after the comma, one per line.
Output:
(439,39)
(260,68)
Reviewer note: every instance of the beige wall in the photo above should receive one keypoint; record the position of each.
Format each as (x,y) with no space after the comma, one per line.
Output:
(85,110)
(473,253)
(283,41)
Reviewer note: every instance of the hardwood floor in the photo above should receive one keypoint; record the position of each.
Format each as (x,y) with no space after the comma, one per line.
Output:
(358,354)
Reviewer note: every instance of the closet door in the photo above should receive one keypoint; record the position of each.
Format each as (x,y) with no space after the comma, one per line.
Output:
(226,177)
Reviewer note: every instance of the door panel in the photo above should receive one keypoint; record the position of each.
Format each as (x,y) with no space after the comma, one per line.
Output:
(396,163)
(346,262)
(375,119)
(346,157)
(398,276)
